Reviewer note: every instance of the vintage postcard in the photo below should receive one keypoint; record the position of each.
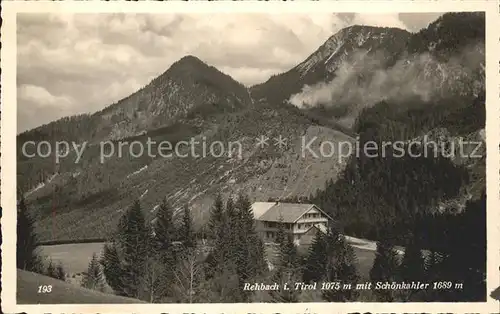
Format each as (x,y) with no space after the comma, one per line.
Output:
(250,157)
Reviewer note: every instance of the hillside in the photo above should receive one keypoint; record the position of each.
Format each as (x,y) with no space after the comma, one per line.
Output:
(75,200)
(187,87)
(62,292)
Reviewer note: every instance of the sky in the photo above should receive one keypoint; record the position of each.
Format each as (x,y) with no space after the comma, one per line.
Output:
(81,63)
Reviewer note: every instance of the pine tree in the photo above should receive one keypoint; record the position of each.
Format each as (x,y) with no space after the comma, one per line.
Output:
(218,233)
(112,269)
(281,236)
(27,244)
(249,253)
(340,267)
(134,243)
(162,263)
(332,259)
(315,264)
(412,266)
(93,278)
(217,219)
(187,232)
(221,273)
(164,228)
(287,268)
(384,269)
(231,230)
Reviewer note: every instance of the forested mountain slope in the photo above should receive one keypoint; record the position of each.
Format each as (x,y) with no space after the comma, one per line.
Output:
(355,80)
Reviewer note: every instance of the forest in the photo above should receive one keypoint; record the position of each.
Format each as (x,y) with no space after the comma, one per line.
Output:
(167,262)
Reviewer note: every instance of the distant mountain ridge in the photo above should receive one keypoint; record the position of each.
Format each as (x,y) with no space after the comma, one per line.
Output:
(321,65)
(360,66)
(187,84)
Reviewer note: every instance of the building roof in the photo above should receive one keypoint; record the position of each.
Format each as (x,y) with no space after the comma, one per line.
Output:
(259,208)
(286,212)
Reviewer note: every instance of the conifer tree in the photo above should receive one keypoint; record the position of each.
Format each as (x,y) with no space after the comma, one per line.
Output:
(112,269)
(164,228)
(216,220)
(162,261)
(281,237)
(27,257)
(314,269)
(287,270)
(231,232)
(384,269)
(249,249)
(340,267)
(332,259)
(187,232)
(134,243)
(412,266)
(217,224)
(218,234)
(222,282)
(93,279)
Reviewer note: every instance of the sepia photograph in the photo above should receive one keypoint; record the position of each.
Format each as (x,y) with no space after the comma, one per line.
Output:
(250,157)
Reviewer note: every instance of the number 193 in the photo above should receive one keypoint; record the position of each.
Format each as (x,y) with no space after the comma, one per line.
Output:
(45,289)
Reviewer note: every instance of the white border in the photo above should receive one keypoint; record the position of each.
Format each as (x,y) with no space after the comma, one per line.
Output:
(8,146)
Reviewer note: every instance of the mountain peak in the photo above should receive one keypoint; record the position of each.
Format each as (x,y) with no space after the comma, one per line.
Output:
(189,59)
(188,63)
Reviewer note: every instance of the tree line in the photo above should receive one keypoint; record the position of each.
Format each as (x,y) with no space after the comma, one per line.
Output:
(414,202)
(27,247)
(160,262)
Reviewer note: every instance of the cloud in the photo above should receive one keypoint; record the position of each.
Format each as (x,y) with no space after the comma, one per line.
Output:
(416,22)
(362,81)
(92,60)
(40,95)
(382,20)
(40,106)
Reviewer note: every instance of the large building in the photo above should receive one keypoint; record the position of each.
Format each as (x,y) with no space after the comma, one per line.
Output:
(301,221)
